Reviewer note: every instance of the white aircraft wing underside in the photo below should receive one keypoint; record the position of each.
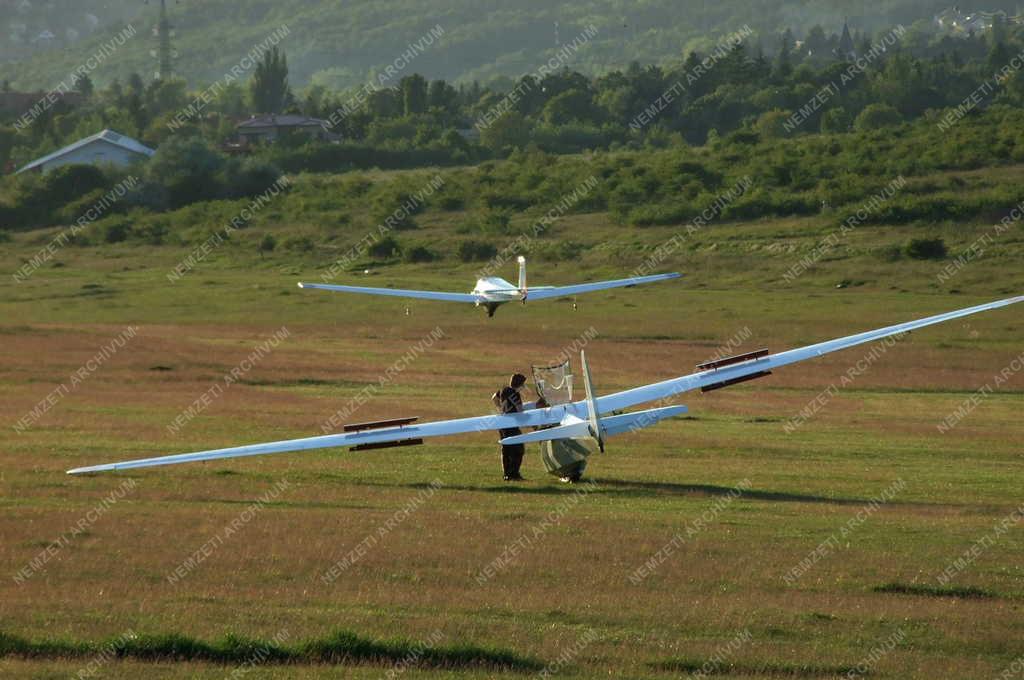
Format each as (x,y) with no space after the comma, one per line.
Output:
(562,291)
(397,292)
(667,388)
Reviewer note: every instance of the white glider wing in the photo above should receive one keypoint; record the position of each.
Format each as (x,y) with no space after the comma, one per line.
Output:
(570,416)
(667,388)
(397,292)
(562,291)
(532,418)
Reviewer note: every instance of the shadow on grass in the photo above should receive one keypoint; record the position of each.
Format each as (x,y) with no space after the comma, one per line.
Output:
(639,489)
(764,669)
(340,648)
(962,592)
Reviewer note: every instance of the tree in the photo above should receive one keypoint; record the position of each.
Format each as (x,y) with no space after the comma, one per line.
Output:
(136,84)
(876,116)
(570,106)
(85,86)
(816,44)
(166,94)
(268,88)
(835,120)
(442,96)
(508,131)
(136,109)
(783,65)
(186,169)
(772,124)
(414,94)
(384,104)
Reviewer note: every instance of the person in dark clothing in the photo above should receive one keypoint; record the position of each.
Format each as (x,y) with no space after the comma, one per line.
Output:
(508,400)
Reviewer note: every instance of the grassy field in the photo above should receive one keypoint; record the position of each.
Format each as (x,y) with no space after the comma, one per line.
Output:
(734,496)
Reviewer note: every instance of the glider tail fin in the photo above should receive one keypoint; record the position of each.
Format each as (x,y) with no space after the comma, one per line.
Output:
(595,420)
(522,273)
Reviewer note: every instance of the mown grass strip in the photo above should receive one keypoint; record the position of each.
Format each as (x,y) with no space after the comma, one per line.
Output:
(339,648)
(963,592)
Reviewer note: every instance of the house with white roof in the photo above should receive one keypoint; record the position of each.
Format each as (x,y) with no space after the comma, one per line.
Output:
(100,149)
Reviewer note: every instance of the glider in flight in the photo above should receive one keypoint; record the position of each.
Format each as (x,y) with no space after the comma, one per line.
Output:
(492,291)
(594,418)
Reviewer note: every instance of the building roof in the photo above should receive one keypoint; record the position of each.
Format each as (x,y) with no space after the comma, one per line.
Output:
(281,121)
(846,42)
(108,136)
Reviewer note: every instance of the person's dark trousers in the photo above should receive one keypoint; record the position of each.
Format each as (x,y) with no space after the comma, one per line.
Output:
(512,459)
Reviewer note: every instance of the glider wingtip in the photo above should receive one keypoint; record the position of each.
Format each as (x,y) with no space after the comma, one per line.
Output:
(301,284)
(90,469)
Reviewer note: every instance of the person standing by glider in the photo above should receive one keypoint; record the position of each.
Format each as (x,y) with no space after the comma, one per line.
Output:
(508,400)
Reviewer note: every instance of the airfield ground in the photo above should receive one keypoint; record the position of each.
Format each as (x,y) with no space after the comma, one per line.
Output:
(757,497)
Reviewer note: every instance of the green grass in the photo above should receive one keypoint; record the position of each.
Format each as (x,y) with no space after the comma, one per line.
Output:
(709,667)
(340,648)
(573,578)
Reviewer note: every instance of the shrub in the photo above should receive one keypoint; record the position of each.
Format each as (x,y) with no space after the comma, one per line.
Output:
(116,231)
(386,248)
(475,251)
(876,116)
(420,254)
(451,203)
(925,249)
(187,169)
(154,233)
(248,178)
(267,244)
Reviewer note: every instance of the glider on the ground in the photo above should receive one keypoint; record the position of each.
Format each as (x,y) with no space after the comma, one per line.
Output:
(583,419)
(492,291)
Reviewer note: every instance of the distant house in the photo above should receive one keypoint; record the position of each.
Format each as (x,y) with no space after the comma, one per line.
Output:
(45,38)
(100,149)
(267,128)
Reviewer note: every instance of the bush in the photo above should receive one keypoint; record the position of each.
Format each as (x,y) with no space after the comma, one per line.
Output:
(267,244)
(875,116)
(475,251)
(386,248)
(925,249)
(248,178)
(420,254)
(451,203)
(116,231)
(188,170)
(73,181)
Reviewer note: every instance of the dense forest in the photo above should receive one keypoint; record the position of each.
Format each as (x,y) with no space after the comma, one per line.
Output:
(734,88)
